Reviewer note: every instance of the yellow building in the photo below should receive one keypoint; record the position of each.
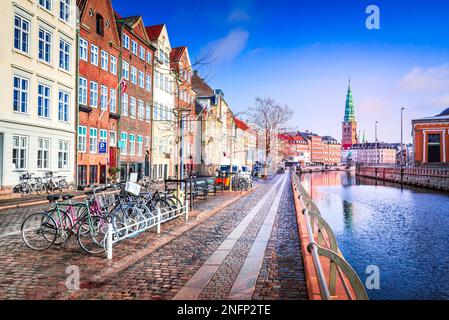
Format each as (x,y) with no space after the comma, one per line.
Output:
(38,68)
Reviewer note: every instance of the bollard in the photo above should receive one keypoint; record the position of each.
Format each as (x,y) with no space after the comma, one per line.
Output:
(109,241)
(187,210)
(159,218)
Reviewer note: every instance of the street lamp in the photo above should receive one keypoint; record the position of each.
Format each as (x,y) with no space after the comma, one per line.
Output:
(402,136)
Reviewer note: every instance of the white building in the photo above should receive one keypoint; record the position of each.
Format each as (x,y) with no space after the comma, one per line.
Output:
(164,155)
(38,68)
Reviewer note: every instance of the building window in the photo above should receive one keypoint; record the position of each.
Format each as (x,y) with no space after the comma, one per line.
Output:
(125,105)
(93,174)
(141,79)
(141,110)
(43,101)
(103,135)
(112,138)
(93,94)
(134,75)
(82,138)
(104,98)
(44,45)
(113,65)
(82,91)
(133,106)
(113,106)
(125,70)
(134,47)
(148,83)
(100,25)
(94,55)
(149,57)
(19,152)
(104,60)
(148,112)
(63,155)
(21,34)
(124,140)
(83,49)
(63,108)
(93,140)
(82,175)
(45,4)
(142,53)
(147,141)
(64,55)
(64,10)
(43,152)
(20,94)
(132,144)
(157,78)
(139,145)
(125,41)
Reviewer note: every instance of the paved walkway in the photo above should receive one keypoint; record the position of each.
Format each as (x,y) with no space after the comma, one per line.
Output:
(250,249)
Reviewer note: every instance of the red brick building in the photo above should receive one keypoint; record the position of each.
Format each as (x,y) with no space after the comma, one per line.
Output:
(99,54)
(137,100)
(185,98)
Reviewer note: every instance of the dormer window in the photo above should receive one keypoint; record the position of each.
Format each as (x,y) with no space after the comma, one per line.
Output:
(100,25)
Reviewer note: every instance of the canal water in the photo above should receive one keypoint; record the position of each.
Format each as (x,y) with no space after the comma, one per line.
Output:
(402,231)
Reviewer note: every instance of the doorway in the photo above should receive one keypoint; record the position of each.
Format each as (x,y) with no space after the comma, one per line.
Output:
(102,174)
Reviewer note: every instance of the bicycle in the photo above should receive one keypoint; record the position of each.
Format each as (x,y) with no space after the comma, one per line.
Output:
(29,185)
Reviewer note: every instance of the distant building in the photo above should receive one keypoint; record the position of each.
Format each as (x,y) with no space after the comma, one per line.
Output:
(373,153)
(431,139)
(349,125)
(331,151)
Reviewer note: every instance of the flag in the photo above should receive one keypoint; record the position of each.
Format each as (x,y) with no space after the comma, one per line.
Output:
(124,85)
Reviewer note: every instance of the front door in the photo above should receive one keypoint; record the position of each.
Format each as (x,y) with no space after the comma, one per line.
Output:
(102,174)
(434,148)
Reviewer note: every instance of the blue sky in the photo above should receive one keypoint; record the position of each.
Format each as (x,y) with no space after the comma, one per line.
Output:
(302,52)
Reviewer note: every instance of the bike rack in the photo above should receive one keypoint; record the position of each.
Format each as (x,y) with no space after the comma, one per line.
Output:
(113,236)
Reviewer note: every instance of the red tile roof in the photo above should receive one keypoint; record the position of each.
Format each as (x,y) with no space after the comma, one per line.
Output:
(154,31)
(240,124)
(176,53)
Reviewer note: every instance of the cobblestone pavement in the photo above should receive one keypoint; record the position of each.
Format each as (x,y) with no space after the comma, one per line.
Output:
(170,258)
(282,272)
(26,274)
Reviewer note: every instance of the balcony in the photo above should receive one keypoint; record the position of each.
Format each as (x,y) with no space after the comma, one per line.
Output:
(114,115)
(85,108)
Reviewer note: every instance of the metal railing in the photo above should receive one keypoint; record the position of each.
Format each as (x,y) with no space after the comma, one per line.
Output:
(114,236)
(322,243)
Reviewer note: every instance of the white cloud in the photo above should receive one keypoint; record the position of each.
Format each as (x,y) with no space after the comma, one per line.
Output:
(238,15)
(229,47)
(430,80)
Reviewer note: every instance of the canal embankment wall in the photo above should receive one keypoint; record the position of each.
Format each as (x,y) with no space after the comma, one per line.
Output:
(432,178)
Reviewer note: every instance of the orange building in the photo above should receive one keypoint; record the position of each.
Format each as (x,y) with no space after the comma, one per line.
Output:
(431,139)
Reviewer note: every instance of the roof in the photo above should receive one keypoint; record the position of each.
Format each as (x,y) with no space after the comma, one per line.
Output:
(81,4)
(201,87)
(241,124)
(154,31)
(176,53)
(443,116)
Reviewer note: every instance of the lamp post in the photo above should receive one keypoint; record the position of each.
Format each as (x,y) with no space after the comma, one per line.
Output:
(402,136)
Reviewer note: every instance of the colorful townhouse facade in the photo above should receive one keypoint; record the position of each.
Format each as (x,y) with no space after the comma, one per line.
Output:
(99,56)
(38,77)
(136,95)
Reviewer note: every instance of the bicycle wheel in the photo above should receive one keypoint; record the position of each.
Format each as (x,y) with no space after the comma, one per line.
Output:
(175,204)
(24,189)
(64,223)
(92,234)
(39,231)
(40,188)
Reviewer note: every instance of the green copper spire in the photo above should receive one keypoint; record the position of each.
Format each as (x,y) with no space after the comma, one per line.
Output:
(349,109)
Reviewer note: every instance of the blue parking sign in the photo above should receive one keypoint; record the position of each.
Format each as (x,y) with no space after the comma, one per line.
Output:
(102,147)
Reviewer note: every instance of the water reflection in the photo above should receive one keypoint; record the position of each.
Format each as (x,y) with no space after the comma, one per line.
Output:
(403,231)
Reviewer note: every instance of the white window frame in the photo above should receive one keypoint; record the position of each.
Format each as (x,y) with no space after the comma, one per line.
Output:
(94,55)
(132,144)
(148,112)
(23,38)
(63,106)
(133,75)
(82,91)
(125,40)
(64,54)
(93,140)
(125,70)
(21,102)
(84,49)
(93,100)
(142,53)
(113,99)
(141,79)
(134,47)
(125,105)
(113,68)
(22,146)
(104,91)
(124,140)
(139,145)
(46,4)
(104,60)
(44,99)
(112,138)
(82,139)
(148,83)
(133,107)
(64,10)
(63,154)
(47,45)
(43,154)
(141,110)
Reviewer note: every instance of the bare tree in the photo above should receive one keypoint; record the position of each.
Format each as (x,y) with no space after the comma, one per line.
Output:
(268,117)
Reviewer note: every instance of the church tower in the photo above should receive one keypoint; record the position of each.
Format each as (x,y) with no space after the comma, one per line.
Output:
(349,127)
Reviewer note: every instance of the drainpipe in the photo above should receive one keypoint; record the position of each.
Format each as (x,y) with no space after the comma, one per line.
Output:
(75,147)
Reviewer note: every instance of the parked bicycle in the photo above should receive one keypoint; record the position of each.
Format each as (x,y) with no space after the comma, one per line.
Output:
(29,184)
